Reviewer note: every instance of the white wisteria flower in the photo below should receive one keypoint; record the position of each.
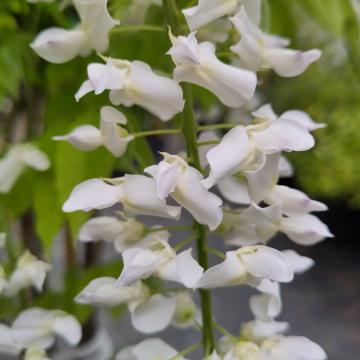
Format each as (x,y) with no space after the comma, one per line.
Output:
(16,160)
(123,233)
(134,83)
(113,136)
(149,349)
(299,263)
(292,348)
(257,49)
(261,224)
(248,265)
(29,271)
(243,148)
(197,63)
(261,185)
(174,177)
(58,45)
(207,11)
(149,313)
(160,259)
(137,194)
(38,328)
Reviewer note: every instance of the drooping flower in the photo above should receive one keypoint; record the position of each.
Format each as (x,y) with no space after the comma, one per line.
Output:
(174,177)
(160,259)
(261,224)
(137,194)
(134,83)
(248,265)
(29,271)
(257,49)
(149,313)
(197,64)
(259,185)
(59,45)
(114,137)
(207,11)
(149,349)
(123,233)
(39,327)
(16,160)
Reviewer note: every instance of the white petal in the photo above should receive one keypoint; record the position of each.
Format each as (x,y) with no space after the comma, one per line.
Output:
(85,88)
(265,112)
(293,202)
(282,135)
(297,348)
(96,21)
(106,76)
(159,95)
(285,168)
(207,11)
(11,168)
(166,174)
(203,205)
(152,348)
(263,180)
(105,228)
(233,86)
(228,156)
(8,342)
(84,137)
(140,263)
(258,330)
(265,262)
(153,315)
(58,45)
(266,220)
(235,189)
(140,198)
(267,305)
(33,326)
(185,49)
(305,229)
(289,63)
(115,138)
(35,353)
(68,327)
(92,194)
(229,272)
(188,269)
(299,263)
(33,157)
(302,118)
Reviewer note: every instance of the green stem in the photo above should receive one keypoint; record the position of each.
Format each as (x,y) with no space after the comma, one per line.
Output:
(225,332)
(156,132)
(210,142)
(189,130)
(135,28)
(186,351)
(216,126)
(216,252)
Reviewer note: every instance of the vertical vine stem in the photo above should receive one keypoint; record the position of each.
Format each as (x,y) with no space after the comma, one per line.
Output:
(189,130)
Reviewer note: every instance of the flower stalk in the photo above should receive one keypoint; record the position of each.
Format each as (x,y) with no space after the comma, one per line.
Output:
(189,130)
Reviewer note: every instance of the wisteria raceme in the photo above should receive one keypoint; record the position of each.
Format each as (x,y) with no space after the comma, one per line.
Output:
(227,182)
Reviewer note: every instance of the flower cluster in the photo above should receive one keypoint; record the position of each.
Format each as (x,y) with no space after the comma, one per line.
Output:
(232,191)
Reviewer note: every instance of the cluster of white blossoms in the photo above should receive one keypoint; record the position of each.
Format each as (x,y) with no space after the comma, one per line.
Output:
(235,191)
